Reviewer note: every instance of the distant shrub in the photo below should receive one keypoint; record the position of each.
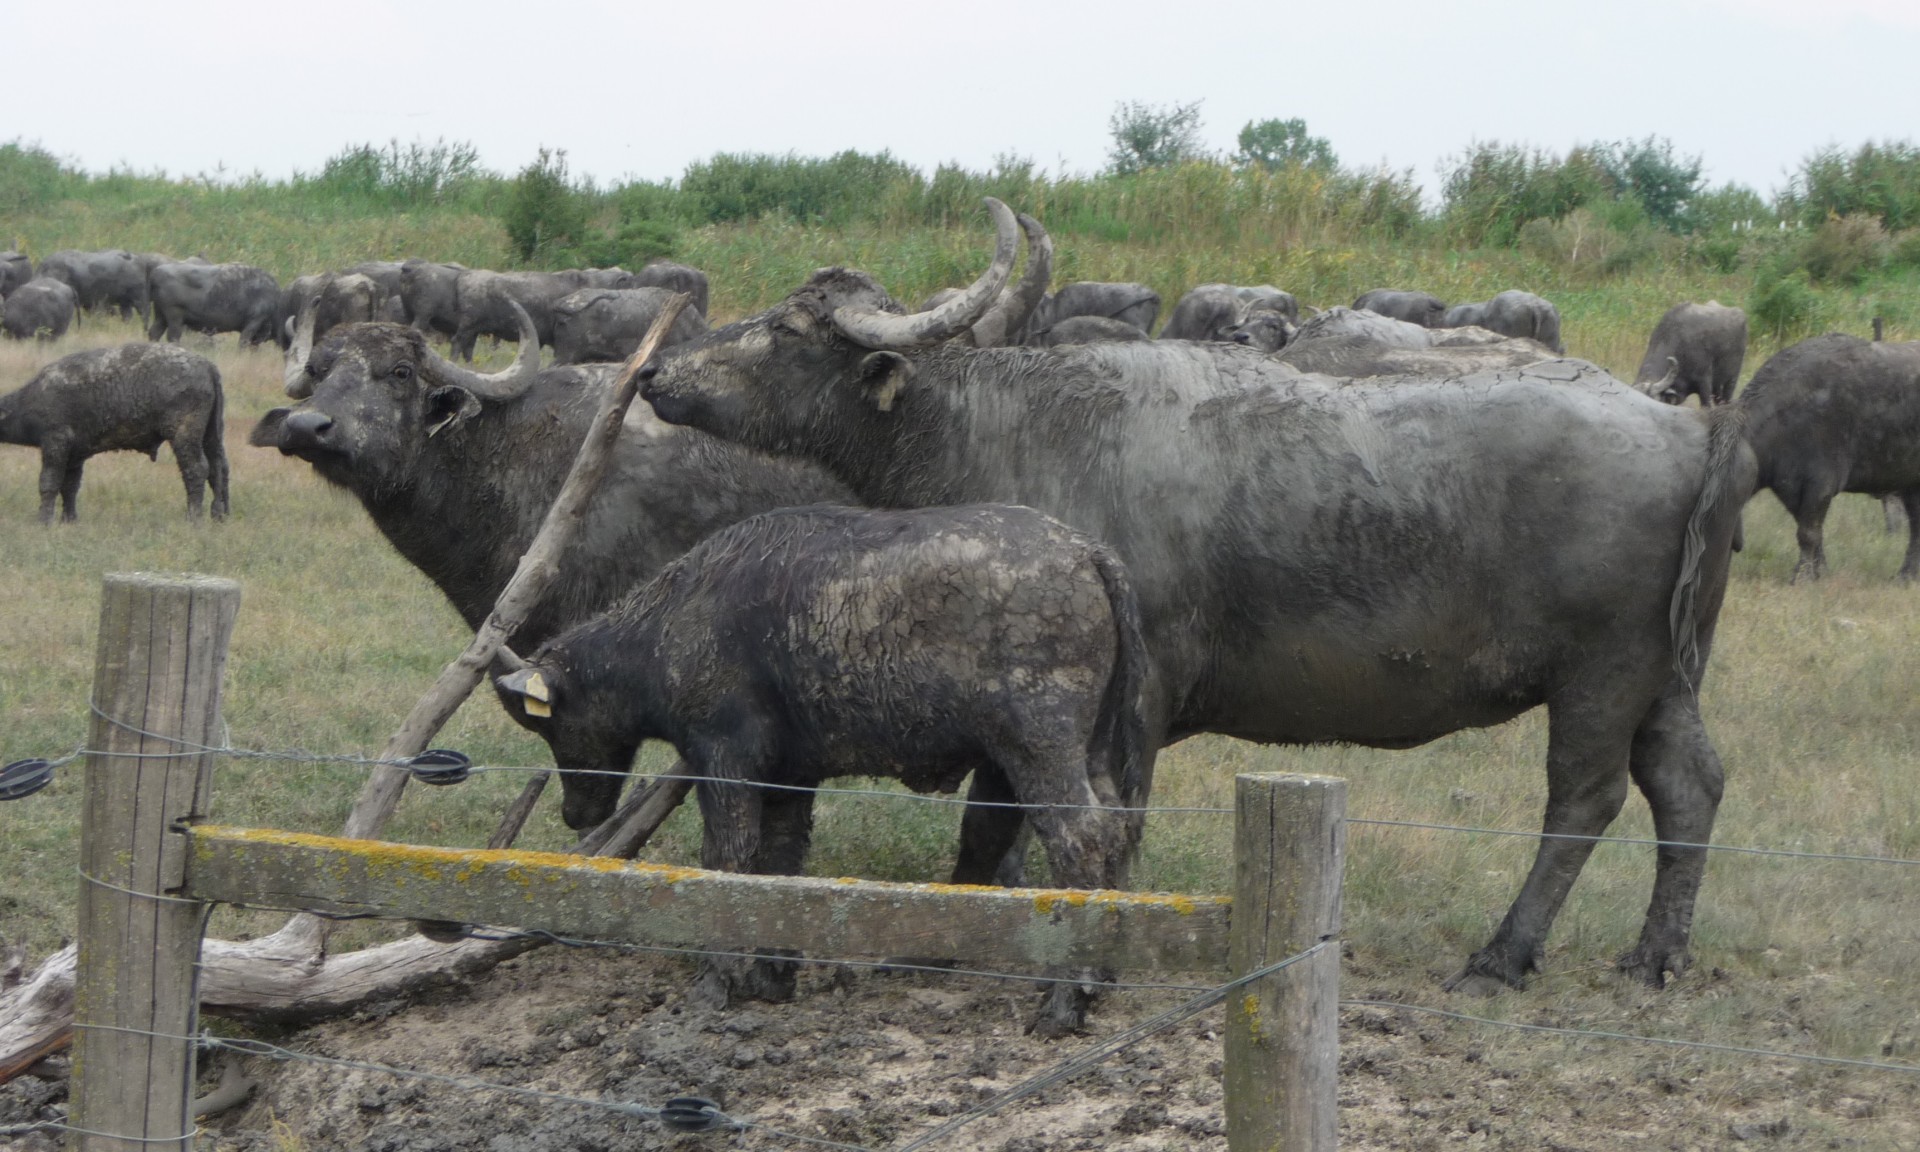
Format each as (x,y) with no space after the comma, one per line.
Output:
(1647,173)
(1783,301)
(1493,190)
(1845,250)
(32,177)
(838,190)
(1280,143)
(1878,180)
(1906,249)
(544,212)
(1148,136)
(415,177)
(1728,208)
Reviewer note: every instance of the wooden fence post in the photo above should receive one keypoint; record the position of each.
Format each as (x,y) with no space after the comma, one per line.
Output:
(156,692)
(1283,1041)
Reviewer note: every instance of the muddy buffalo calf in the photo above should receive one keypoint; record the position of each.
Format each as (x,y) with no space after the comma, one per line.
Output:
(815,642)
(133,398)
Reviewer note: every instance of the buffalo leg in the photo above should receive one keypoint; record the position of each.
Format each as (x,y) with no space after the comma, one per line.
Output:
(219,473)
(53,481)
(1587,746)
(993,839)
(1893,512)
(1676,768)
(1910,567)
(731,816)
(191,457)
(1810,520)
(786,831)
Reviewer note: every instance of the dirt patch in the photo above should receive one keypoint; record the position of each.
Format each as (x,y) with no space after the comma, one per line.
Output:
(874,1060)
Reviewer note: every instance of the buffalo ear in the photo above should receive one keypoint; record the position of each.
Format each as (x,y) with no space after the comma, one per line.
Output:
(530,688)
(449,405)
(885,375)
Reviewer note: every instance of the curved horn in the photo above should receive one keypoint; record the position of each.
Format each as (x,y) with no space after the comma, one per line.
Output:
(882,331)
(1010,313)
(511,382)
(299,384)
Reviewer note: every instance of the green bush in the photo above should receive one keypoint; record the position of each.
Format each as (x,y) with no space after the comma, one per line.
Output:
(838,190)
(1491,191)
(1647,174)
(1879,180)
(1906,249)
(544,212)
(1280,143)
(1783,301)
(1148,136)
(393,178)
(32,177)
(1845,250)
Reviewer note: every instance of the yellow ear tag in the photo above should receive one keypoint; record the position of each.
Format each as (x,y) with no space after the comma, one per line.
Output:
(536,697)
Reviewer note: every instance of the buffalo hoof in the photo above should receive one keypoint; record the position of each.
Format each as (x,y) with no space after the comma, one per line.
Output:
(1062,1012)
(1493,970)
(1653,966)
(720,981)
(768,978)
(1477,984)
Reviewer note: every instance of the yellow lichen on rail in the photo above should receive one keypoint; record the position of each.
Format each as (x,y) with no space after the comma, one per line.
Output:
(526,868)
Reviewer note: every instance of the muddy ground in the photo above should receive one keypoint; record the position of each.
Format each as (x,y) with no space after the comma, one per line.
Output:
(873,1060)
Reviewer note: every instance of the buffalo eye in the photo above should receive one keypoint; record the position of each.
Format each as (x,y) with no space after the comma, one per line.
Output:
(403,372)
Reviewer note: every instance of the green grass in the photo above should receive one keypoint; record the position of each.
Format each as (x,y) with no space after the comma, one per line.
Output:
(1809,698)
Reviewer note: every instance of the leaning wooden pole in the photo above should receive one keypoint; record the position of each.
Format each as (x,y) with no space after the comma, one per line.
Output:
(381,794)
(1283,1031)
(156,691)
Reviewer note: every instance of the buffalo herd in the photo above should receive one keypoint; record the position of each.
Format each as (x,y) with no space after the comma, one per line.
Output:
(1014,538)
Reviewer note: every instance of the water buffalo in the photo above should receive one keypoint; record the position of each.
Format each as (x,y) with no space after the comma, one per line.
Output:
(457,468)
(1010,317)
(1265,330)
(431,295)
(1213,311)
(132,398)
(1086,330)
(1420,308)
(1835,414)
(347,298)
(213,298)
(113,278)
(1342,342)
(609,323)
(42,307)
(774,653)
(1136,304)
(16,268)
(1315,562)
(673,277)
(1521,315)
(487,301)
(1698,350)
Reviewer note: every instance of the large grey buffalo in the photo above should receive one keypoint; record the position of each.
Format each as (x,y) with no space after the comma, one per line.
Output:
(41,308)
(213,298)
(1422,308)
(1343,342)
(1835,414)
(773,653)
(609,323)
(113,278)
(1315,562)
(431,295)
(132,398)
(457,468)
(673,277)
(1136,304)
(1514,313)
(487,301)
(1695,350)
(1217,311)
(16,268)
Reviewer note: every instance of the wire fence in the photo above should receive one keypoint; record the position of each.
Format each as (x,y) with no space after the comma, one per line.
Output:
(694,1115)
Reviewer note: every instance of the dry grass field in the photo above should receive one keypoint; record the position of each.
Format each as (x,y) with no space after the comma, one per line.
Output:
(1810,699)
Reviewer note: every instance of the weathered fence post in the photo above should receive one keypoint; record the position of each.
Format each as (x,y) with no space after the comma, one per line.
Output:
(156,693)
(1283,1042)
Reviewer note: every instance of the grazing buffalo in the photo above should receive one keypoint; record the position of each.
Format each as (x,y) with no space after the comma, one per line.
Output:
(1837,414)
(1136,304)
(673,277)
(488,300)
(1315,562)
(609,323)
(431,295)
(811,643)
(1342,342)
(1695,350)
(16,268)
(458,468)
(114,279)
(1521,315)
(132,398)
(214,298)
(1420,308)
(41,308)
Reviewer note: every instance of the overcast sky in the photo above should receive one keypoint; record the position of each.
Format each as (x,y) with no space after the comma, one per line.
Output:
(630,89)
